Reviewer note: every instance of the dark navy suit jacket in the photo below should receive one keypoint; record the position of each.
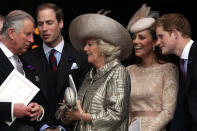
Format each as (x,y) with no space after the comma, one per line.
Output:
(5,107)
(185,117)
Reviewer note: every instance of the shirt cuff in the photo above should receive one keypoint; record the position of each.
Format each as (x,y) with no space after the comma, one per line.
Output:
(62,128)
(45,126)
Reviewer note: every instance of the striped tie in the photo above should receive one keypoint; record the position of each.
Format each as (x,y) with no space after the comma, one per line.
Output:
(52,60)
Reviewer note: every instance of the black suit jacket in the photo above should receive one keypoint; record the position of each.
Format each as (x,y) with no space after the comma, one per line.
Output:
(5,107)
(38,59)
(185,117)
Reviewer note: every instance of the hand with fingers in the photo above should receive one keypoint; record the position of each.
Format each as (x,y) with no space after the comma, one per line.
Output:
(74,114)
(20,110)
(102,12)
(35,111)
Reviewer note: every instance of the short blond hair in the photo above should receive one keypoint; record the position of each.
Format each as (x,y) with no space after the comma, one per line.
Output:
(110,51)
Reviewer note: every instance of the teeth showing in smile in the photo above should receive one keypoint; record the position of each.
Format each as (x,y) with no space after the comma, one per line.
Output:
(138,47)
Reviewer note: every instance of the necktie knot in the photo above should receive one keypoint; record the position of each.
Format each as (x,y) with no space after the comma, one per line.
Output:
(18,64)
(52,52)
(15,58)
(182,61)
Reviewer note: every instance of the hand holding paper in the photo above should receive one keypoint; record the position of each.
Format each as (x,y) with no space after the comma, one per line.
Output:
(20,110)
(18,89)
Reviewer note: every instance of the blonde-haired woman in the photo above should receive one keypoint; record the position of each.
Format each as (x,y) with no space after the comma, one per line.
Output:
(104,94)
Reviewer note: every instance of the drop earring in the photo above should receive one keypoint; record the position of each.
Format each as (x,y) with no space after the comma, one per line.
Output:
(153,48)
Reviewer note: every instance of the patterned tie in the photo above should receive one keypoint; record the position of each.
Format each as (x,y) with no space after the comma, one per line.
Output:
(19,65)
(52,60)
(183,72)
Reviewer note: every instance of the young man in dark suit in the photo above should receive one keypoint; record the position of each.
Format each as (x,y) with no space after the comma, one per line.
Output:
(174,37)
(54,60)
(17,34)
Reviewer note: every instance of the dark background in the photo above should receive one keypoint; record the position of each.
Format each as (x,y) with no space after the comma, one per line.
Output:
(122,10)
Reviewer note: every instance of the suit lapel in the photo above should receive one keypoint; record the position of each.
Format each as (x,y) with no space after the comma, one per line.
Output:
(5,65)
(191,59)
(63,69)
(40,62)
(30,73)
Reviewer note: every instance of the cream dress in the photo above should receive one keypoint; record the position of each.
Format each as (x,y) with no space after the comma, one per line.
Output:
(153,89)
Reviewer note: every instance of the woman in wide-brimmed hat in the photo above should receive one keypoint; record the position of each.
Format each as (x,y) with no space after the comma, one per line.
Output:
(104,94)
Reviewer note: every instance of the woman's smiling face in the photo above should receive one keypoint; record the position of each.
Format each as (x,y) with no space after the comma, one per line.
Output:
(143,43)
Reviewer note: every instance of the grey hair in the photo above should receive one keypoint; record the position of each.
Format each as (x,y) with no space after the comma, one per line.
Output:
(15,19)
(110,51)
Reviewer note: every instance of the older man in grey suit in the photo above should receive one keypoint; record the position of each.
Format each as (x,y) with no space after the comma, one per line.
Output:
(17,34)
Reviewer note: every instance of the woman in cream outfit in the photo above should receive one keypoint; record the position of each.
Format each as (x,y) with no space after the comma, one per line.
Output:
(154,81)
(105,92)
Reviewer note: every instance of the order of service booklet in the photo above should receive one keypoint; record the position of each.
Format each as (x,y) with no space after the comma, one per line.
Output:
(17,89)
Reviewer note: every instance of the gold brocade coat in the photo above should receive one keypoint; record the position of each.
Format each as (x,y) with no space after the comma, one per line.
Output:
(105,95)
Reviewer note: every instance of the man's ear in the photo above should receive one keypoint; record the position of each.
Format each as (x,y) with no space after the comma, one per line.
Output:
(175,33)
(11,32)
(61,23)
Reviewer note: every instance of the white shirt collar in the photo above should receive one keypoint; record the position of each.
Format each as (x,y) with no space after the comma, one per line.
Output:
(5,50)
(185,53)
(58,48)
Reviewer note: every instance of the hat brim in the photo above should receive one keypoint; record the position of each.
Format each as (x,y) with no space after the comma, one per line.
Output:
(98,26)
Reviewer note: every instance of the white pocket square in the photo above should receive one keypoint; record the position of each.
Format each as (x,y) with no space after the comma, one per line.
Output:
(74,66)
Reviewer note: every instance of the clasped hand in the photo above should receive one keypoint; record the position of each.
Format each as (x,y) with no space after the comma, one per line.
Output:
(71,115)
(33,110)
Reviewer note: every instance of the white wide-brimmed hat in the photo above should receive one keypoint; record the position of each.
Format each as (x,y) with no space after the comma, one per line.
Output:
(102,27)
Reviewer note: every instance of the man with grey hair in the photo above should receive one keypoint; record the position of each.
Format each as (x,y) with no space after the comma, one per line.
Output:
(17,34)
